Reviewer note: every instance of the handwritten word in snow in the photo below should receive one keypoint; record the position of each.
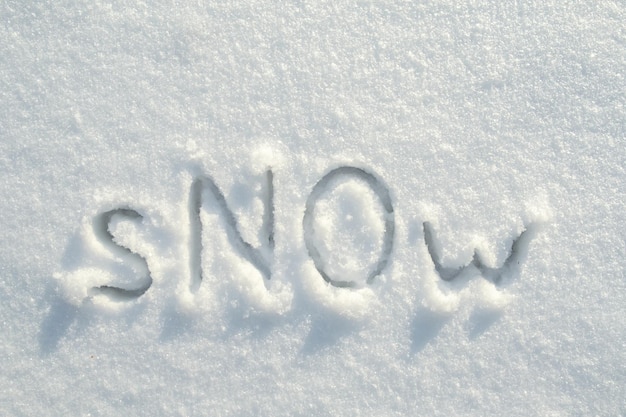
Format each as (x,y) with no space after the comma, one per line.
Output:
(348,211)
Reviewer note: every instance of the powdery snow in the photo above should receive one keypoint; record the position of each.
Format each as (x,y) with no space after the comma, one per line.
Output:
(313,208)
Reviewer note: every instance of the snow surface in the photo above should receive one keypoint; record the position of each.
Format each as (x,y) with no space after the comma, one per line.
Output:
(174,240)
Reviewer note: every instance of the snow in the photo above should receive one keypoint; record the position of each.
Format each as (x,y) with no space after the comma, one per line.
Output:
(313,208)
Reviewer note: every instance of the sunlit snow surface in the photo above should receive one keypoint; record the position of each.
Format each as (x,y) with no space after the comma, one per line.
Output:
(313,208)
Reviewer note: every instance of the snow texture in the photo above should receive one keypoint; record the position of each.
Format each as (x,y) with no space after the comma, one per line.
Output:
(313,208)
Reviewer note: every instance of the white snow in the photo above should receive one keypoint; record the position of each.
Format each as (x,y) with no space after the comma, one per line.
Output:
(313,208)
